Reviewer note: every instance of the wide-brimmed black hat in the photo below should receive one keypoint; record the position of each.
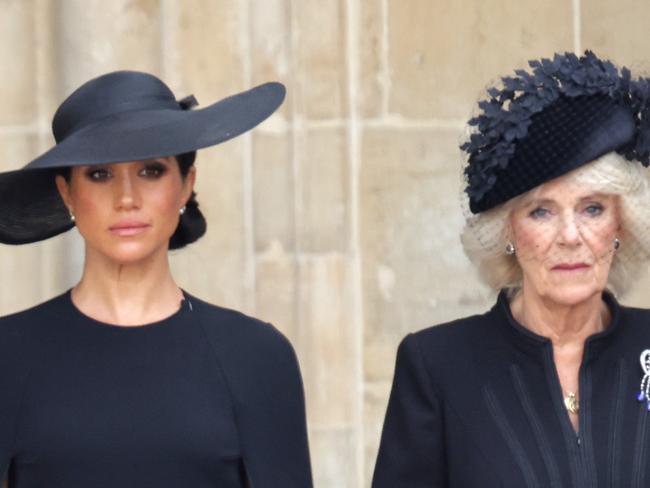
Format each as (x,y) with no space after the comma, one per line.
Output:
(538,125)
(120,116)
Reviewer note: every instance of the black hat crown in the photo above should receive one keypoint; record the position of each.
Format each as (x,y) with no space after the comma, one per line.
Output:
(118,117)
(540,125)
(108,95)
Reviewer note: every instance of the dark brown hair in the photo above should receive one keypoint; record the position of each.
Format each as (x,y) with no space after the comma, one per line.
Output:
(192,224)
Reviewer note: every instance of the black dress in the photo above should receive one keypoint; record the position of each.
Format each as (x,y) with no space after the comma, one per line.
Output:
(206,398)
(478,403)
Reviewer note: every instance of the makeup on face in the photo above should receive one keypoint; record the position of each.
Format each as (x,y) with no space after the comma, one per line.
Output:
(128,210)
(564,234)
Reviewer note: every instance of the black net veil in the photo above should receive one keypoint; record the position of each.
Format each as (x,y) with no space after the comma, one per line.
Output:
(596,217)
(567,201)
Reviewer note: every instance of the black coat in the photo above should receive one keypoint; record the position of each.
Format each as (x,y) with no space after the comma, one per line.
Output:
(207,397)
(478,403)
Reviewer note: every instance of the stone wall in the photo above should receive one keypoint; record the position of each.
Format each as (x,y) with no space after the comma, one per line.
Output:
(338,218)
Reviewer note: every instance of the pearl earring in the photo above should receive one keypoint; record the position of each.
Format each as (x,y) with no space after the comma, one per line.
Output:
(182,210)
(72,219)
(510,249)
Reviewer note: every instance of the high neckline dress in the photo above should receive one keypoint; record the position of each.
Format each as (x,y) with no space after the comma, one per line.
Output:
(207,397)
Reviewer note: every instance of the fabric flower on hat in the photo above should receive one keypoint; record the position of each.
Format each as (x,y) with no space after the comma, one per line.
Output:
(559,91)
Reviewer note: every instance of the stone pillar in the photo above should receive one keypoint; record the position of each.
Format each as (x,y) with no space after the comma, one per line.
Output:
(20,130)
(90,38)
(422,69)
(207,56)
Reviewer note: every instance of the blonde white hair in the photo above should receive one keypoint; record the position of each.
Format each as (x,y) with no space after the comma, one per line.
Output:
(485,237)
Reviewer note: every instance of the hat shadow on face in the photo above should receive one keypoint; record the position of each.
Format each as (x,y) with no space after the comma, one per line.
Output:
(121,116)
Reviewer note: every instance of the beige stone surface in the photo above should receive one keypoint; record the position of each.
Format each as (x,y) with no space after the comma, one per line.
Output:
(95,36)
(334,457)
(328,340)
(273,191)
(47,69)
(613,29)
(373,75)
(61,260)
(375,403)
(442,54)
(276,288)
(17,261)
(215,267)
(410,225)
(320,76)
(270,46)
(323,191)
(17,149)
(207,58)
(637,295)
(18,58)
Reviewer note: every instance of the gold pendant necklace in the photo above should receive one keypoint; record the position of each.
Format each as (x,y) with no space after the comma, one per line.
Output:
(571,402)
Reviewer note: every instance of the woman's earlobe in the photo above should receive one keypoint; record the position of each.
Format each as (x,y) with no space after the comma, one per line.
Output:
(64,192)
(190,180)
(62,186)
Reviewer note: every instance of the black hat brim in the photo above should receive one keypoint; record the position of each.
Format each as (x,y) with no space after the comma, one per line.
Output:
(137,135)
(32,209)
(566,135)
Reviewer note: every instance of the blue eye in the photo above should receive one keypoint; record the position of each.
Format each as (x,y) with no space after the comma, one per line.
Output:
(594,209)
(538,213)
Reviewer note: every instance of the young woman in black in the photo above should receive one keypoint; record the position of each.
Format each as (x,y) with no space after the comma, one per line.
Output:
(126,379)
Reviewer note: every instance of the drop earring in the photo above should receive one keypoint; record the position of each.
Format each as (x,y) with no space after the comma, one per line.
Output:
(510,249)
(72,218)
(617,243)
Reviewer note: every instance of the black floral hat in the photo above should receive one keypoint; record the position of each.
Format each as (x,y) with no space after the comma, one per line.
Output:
(540,125)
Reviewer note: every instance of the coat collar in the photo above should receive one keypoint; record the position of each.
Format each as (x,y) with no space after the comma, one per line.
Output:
(528,339)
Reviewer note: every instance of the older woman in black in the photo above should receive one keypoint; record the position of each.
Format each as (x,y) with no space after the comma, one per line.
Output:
(126,379)
(549,388)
